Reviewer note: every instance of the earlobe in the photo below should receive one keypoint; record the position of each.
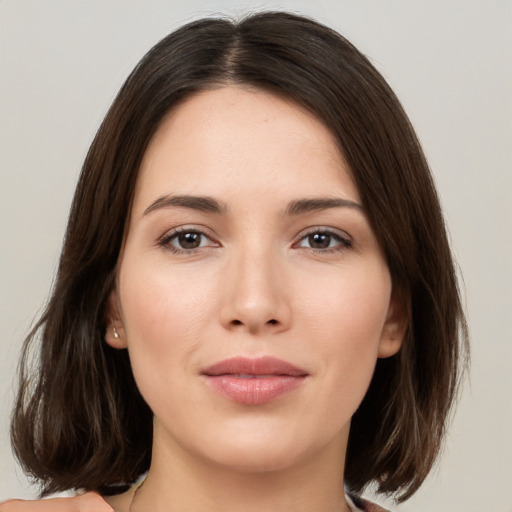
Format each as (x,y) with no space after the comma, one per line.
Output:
(395,328)
(114,332)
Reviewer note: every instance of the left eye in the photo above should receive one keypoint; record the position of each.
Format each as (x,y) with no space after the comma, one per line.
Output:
(323,240)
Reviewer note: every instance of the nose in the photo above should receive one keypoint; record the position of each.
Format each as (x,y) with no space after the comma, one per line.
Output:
(255,294)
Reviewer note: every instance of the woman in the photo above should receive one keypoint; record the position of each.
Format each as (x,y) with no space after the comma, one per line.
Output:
(256,300)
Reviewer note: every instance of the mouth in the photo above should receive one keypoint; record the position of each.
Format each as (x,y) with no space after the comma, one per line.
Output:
(253,381)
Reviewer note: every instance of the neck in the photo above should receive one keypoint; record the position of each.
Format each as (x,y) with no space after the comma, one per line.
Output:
(178,481)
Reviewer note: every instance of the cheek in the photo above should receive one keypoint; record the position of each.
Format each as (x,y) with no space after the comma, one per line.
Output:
(163,311)
(161,301)
(349,306)
(346,316)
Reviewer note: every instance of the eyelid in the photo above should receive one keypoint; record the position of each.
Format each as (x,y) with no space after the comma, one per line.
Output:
(345,239)
(165,239)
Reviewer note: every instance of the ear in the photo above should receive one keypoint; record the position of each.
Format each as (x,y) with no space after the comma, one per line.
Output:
(395,327)
(115,334)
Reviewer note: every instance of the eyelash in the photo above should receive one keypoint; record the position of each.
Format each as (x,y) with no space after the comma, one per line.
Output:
(344,242)
(166,240)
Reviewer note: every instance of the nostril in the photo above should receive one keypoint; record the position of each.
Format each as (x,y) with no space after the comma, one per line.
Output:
(272,321)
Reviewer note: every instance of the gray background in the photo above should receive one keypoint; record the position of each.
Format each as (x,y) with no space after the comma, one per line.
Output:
(61,62)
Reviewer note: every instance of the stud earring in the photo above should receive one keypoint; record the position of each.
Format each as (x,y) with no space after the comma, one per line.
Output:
(116,334)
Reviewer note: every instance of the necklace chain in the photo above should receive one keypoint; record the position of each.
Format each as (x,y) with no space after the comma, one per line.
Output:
(137,489)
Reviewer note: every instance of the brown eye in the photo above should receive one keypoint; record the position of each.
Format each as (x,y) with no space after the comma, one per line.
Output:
(319,240)
(186,240)
(189,240)
(327,241)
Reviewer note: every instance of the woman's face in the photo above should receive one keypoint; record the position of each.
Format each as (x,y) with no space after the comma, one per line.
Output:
(251,293)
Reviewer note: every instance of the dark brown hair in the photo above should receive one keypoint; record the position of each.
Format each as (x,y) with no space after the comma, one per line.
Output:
(79,420)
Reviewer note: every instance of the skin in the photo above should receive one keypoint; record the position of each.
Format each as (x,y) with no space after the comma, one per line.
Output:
(254,286)
(258,284)
(89,502)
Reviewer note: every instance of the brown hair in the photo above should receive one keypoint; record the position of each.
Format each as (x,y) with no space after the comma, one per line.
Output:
(79,420)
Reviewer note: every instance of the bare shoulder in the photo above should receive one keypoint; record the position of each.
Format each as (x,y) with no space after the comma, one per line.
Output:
(89,502)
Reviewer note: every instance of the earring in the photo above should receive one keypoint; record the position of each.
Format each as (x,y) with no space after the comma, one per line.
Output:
(116,334)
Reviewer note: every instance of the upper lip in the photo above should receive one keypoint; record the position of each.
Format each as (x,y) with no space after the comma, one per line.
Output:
(266,365)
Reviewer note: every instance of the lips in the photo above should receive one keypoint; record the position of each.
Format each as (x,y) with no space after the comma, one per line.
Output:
(253,381)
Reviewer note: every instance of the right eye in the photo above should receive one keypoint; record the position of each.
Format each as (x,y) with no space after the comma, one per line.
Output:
(186,240)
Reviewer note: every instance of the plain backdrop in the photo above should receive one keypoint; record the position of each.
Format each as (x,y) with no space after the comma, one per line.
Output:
(450,62)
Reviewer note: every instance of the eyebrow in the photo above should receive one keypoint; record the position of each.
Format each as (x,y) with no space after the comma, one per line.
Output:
(201,203)
(211,205)
(302,206)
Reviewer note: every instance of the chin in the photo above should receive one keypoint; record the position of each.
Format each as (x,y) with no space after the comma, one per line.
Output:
(249,461)
(263,454)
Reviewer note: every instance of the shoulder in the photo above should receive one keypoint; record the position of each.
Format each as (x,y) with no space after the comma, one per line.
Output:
(89,502)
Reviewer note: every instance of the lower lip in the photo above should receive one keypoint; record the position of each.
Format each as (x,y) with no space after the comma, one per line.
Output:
(255,391)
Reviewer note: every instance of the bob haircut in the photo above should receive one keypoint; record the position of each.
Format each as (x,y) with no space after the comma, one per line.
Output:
(79,420)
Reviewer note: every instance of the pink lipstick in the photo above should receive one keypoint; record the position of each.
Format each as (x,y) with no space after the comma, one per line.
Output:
(253,381)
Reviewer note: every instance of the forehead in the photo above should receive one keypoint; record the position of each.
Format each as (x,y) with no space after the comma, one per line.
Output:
(237,139)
